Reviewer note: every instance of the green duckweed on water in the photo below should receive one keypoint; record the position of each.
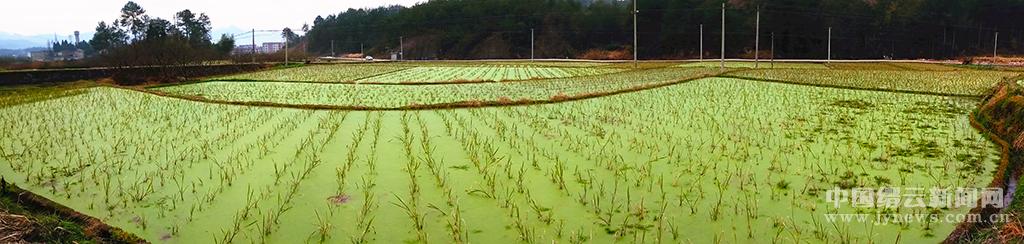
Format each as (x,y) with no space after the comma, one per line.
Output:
(715,159)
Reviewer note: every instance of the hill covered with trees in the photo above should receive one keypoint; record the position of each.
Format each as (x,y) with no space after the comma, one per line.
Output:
(861,29)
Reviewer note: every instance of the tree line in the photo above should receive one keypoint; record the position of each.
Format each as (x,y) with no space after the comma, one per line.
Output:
(135,38)
(861,29)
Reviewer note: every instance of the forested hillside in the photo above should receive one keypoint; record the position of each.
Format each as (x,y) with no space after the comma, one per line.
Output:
(457,29)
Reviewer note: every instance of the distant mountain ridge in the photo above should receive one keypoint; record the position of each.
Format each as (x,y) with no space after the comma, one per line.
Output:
(21,53)
(18,41)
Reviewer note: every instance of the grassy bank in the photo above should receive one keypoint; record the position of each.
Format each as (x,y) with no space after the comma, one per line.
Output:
(1001,115)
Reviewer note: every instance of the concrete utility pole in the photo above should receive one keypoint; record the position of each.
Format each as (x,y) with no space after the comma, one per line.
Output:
(332,49)
(995,46)
(829,45)
(721,65)
(253,45)
(944,49)
(635,36)
(701,43)
(286,51)
(531,44)
(953,45)
(757,38)
(773,50)
(401,48)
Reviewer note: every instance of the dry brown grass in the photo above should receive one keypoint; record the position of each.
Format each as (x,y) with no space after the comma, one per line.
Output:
(559,97)
(998,60)
(597,54)
(1012,232)
(504,100)
(473,103)
(1000,94)
(14,228)
(1019,143)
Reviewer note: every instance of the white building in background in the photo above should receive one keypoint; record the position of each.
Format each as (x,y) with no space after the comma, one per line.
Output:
(39,56)
(48,56)
(69,55)
(265,48)
(272,47)
(242,49)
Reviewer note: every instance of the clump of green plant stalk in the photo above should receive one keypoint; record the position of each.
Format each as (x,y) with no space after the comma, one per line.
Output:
(414,214)
(323,227)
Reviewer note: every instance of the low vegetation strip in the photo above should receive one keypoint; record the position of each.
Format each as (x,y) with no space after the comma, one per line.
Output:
(404,97)
(958,83)
(36,95)
(489,73)
(335,73)
(416,73)
(763,64)
(124,75)
(846,87)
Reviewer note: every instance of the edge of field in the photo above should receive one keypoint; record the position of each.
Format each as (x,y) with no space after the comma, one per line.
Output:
(31,217)
(998,117)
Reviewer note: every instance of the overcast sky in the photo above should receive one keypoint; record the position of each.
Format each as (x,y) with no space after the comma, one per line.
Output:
(62,17)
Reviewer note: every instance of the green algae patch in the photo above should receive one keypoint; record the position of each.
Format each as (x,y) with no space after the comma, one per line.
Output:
(715,159)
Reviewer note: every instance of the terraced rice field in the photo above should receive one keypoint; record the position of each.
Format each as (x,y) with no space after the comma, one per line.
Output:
(957,83)
(765,65)
(484,74)
(405,73)
(707,160)
(318,73)
(390,96)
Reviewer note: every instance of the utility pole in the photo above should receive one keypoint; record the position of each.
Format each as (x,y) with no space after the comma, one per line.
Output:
(829,60)
(635,37)
(361,52)
(332,49)
(995,47)
(944,50)
(253,45)
(773,50)
(401,48)
(757,38)
(953,47)
(286,51)
(531,44)
(722,62)
(702,43)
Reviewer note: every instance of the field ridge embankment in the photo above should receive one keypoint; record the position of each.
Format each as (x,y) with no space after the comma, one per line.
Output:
(93,228)
(1001,117)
